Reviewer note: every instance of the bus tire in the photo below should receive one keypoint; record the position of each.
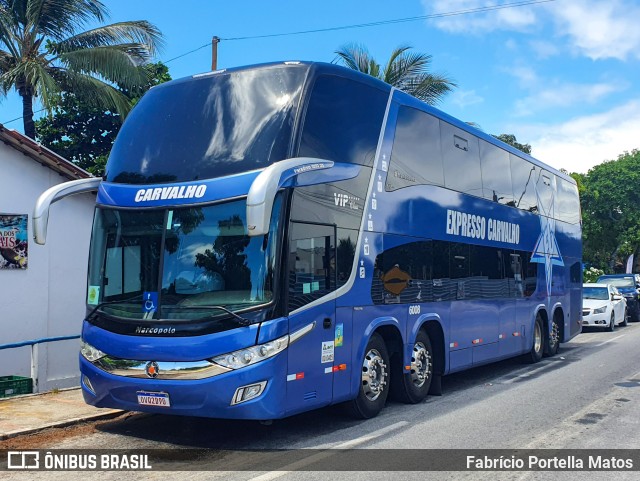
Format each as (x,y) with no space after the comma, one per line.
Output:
(374,384)
(537,349)
(553,342)
(412,387)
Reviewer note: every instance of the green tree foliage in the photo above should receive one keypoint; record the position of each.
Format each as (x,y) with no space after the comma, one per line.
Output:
(404,70)
(610,200)
(513,142)
(84,133)
(44,50)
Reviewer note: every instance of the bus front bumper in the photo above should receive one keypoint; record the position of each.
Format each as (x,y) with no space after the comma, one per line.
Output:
(219,396)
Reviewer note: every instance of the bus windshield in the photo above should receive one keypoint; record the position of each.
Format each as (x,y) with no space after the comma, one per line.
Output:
(212,126)
(179,264)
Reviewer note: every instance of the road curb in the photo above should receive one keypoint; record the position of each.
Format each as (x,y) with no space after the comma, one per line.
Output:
(62,424)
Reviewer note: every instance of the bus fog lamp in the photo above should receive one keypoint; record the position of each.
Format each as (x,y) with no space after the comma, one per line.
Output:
(90,353)
(246,393)
(252,355)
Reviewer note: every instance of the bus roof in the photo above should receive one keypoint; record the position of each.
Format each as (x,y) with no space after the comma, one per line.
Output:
(319,68)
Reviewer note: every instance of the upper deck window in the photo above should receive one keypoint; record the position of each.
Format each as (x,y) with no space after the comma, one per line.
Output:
(208,127)
(343,121)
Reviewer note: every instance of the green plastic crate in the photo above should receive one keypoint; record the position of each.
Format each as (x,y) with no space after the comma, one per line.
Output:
(14,385)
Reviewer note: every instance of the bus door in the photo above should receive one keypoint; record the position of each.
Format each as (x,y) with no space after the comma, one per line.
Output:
(312,275)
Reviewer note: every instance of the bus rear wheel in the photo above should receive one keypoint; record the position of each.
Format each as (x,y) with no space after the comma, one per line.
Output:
(553,343)
(412,387)
(374,384)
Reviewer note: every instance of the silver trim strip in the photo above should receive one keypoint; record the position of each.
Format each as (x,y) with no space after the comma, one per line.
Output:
(166,370)
(301,332)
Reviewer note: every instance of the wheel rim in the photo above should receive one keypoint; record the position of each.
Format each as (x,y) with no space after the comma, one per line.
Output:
(420,365)
(555,334)
(537,338)
(374,375)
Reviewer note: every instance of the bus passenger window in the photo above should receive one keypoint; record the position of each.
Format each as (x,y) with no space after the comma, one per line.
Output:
(461,160)
(496,174)
(416,156)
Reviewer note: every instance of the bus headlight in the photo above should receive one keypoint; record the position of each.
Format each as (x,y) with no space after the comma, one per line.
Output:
(253,354)
(90,353)
(600,310)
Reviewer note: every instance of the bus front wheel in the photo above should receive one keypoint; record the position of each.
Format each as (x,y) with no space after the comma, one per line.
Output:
(537,349)
(374,383)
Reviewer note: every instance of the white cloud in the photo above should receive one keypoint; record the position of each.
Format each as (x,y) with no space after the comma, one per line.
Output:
(593,28)
(544,49)
(599,29)
(520,18)
(562,95)
(464,98)
(581,143)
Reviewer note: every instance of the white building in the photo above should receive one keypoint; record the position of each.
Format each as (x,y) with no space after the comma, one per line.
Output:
(42,295)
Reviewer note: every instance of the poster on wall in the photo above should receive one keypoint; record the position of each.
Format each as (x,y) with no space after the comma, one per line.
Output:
(13,241)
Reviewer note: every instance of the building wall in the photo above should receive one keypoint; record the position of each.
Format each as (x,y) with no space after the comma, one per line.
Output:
(46,299)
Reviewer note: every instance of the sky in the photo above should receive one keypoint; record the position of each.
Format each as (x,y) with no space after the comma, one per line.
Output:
(560,75)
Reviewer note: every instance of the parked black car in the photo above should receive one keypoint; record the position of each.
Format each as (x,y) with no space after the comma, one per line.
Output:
(629,287)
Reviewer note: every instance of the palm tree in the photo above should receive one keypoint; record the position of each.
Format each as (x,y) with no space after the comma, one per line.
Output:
(404,70)
(44,52)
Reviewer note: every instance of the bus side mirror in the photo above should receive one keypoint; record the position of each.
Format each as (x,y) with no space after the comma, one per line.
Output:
(54,194)
(264,188)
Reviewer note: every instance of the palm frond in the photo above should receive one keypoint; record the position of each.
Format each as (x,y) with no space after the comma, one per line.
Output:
(94,91)
(429,87)
(61,18)
(357,57)
(8,36)
(143,33)
(404,70)
(35,78)
(113,63)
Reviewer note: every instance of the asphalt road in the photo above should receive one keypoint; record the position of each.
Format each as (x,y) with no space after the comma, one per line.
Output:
(586,397)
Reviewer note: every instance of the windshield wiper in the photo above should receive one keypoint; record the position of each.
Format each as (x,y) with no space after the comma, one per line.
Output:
(106,303)
(239,319)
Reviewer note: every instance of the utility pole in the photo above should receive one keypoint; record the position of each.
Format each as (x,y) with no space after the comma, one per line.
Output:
(214,52)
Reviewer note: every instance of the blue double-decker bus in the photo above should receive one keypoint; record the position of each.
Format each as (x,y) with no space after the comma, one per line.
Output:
(277,238)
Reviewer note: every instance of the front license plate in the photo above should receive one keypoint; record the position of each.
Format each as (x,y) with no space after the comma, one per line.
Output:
(160,399)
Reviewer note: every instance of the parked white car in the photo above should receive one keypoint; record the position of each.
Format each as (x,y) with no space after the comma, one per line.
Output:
(603,306)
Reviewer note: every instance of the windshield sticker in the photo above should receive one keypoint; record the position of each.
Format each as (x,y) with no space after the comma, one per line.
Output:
(306,288)
(327,352)
(339,337)
(93,294)
(150,301)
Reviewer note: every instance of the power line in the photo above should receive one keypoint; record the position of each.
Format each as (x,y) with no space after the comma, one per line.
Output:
(397,20)
(347,27)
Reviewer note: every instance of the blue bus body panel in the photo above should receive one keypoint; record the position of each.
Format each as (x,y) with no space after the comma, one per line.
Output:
(155,348)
